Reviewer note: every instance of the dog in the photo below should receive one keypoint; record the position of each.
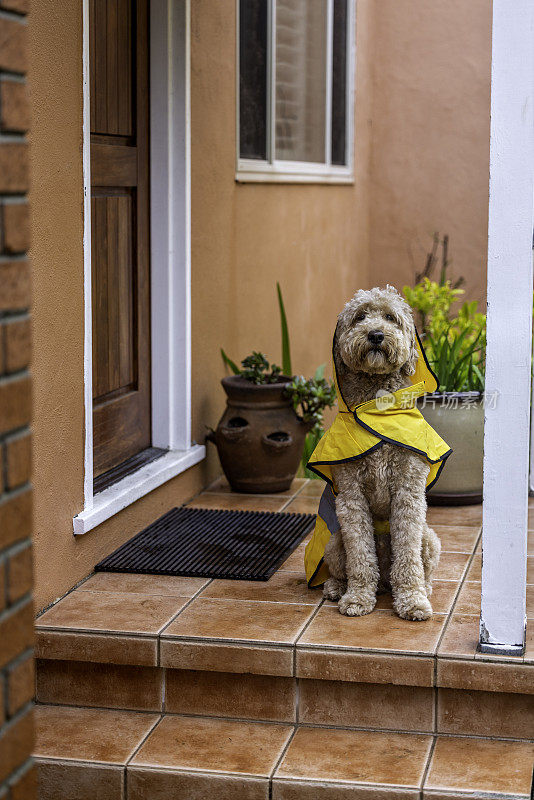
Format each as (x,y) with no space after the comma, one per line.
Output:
(375,352)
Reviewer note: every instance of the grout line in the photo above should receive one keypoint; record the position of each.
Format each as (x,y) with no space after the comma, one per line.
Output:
(164,628)
(143,740)
(281,758)
(427,766)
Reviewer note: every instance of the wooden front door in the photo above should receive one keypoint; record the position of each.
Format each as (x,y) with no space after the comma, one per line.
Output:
(120,231)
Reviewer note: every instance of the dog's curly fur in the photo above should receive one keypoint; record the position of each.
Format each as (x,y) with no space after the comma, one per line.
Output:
(388,483)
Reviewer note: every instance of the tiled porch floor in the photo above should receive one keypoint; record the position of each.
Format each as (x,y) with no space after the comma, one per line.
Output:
(288,629)
(256,690)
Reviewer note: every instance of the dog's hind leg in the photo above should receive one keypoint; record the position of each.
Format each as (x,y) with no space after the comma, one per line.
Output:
(430,550)
(357,534)
(334,555)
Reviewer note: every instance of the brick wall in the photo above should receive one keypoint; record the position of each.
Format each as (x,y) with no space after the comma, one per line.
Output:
(16,612)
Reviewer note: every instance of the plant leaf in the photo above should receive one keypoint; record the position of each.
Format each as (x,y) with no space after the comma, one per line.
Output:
(286,351)
(229,363)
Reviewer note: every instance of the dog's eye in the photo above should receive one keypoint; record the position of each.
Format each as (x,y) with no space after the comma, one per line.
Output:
(360,317)
(390,318)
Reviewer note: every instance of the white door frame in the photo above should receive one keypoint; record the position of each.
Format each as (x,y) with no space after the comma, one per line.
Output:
(509,318)
(170,229)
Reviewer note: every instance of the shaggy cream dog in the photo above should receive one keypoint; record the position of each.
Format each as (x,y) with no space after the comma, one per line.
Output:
(375,351)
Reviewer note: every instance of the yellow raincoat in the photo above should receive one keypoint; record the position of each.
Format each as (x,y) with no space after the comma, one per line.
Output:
(358,431)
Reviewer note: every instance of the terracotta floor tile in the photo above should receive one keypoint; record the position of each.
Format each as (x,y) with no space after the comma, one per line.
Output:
(283,587)
(83,734)
(529,648)
(478,713)
(530,543)
(221,486)
(154,784)
(228,656)
(485,675)
(334,756)
(358,666)
(457,539)
(381,630)
(106,648)
(226,694)
(481,765)
(366,705)
(474,573)
(461,636)
(454,515)
(199,743)
(295,562)
(78,683)
(240,502)
(112,611)
(530,600)
(79,781)
(443,593)
(469,598)
(530,569)
(451,566)
(164,585)
(313,488)
(303,504)
(241,620)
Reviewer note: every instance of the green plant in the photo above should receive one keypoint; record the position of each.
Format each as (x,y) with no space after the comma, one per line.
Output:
(455,345)
(309,397)
(257,369)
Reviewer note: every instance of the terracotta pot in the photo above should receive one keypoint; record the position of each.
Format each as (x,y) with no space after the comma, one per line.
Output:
(259,437)
(458,417)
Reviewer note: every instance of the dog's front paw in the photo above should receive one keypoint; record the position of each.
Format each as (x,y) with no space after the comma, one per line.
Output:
(412,605)
(333,589)
(356,604)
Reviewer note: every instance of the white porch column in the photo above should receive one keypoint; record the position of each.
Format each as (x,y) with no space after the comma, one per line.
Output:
(508,368)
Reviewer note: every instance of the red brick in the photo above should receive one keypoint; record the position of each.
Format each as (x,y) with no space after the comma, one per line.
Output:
(16,633)
(19,574)
(2,585)
(14,172)
(24,786)
(20,685)
(15,518)
(15,403)
(14,106)
(15,228)
(18,459)
(13,45)
(17,344)
(19,6)
(16,745)
(14,282)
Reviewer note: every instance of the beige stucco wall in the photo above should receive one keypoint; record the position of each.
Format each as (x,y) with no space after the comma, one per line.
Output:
(421,164)
(313,239)
(429,171)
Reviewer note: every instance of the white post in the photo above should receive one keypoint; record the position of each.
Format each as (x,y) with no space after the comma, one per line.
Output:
(508,368)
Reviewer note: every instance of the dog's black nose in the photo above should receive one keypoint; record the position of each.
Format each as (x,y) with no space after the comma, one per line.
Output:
(375,337)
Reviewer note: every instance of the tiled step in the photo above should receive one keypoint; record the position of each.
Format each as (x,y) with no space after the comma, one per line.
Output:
(347,704)
(121,755)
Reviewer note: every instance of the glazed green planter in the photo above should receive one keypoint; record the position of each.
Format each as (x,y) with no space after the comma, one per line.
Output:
(458,417)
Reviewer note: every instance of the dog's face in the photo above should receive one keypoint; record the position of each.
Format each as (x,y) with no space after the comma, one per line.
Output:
(376,333)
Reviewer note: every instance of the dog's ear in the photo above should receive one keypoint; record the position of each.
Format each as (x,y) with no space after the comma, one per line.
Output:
(408,368)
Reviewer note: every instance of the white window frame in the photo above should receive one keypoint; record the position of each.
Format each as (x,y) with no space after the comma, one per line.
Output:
(278,171)
(170,229)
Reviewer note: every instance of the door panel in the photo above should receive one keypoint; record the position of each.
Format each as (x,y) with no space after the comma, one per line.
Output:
(120,231)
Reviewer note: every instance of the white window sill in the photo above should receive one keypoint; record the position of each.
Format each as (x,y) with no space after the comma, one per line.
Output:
(252,171)
(133,487)
(251,176)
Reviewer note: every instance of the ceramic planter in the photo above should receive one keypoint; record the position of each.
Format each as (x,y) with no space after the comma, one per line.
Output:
(458,417)
(259,438)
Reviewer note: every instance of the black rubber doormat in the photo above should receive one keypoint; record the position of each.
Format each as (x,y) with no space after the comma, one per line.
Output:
(210,543)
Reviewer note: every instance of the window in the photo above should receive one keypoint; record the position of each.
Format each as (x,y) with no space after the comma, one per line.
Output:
(295,90)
